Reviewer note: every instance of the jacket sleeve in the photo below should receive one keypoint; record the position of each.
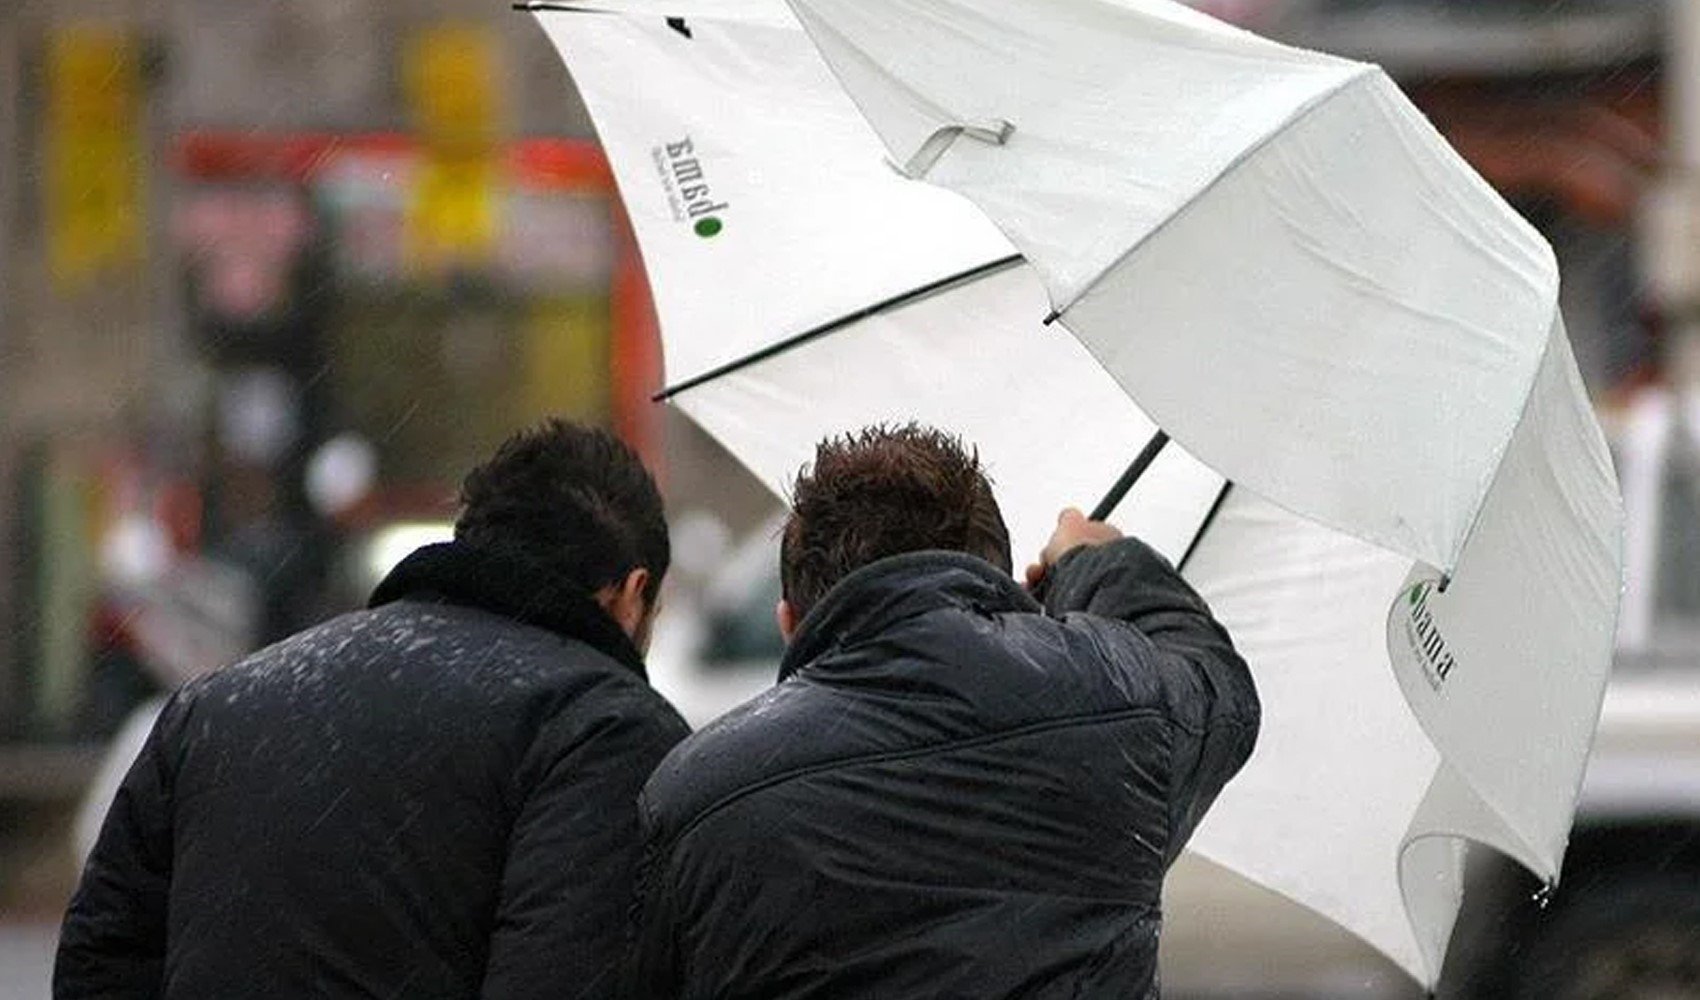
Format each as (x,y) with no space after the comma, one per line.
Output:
(652,955)
(113,938)
(568,882)
(1206,687)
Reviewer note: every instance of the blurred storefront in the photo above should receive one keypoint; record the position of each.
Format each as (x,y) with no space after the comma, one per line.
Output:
(341,292)
(271,276)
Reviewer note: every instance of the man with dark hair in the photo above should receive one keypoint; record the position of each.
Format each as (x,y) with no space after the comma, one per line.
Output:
(956,789)
(433,797)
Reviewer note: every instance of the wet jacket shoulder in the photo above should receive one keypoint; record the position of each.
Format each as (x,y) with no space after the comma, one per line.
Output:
(954,790)
(433,797)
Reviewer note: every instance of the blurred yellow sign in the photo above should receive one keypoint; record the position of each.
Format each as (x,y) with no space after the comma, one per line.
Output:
(450,78)
(452,213)
(451,84)
(93,186)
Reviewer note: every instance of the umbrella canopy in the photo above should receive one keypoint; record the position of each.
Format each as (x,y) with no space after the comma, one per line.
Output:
(1268,251)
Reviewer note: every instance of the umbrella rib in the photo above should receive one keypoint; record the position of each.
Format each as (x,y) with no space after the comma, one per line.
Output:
(1209,519)
(797,340)
(1304,111)
(1141,462)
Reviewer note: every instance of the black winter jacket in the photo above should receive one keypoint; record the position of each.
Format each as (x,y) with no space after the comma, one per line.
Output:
(435,797)
(952,793)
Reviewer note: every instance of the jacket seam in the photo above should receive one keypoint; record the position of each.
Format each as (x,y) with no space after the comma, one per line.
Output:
(1095,719)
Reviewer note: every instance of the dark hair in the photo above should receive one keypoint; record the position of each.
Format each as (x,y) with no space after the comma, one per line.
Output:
(574,497)
(883,491)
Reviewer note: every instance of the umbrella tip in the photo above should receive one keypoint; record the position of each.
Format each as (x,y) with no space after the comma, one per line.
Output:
(1053,317)
(1445,581)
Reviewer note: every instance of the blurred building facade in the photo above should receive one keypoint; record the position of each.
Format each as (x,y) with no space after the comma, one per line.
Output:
(233,233)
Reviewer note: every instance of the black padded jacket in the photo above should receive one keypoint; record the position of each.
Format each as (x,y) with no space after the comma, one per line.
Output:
(432,798)
(953,792)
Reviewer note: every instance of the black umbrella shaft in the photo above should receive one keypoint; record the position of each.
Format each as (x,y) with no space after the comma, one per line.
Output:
(1152,449)
(1209,519)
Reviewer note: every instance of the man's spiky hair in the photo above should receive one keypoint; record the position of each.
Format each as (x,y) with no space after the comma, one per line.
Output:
(883,491)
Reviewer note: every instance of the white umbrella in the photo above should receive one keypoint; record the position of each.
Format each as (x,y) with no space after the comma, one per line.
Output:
(1279,259)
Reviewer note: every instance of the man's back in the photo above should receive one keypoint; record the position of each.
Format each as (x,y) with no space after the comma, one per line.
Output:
(435,797)
(953,794)
(396,803)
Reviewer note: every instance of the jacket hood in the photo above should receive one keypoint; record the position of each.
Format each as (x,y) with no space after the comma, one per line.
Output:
(508,585)
(886,591)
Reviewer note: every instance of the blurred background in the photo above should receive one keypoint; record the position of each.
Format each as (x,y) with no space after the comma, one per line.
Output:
(272,276)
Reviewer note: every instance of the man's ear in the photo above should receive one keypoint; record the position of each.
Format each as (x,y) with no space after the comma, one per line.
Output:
(786,616)
(624,602)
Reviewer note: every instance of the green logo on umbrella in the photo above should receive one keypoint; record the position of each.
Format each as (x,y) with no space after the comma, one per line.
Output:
(685,179)
(1423,631)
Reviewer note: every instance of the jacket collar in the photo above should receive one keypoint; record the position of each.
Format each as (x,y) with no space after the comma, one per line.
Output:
(509,585)
(887,591)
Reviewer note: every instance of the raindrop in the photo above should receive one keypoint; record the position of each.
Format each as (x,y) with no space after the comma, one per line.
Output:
(1543,896)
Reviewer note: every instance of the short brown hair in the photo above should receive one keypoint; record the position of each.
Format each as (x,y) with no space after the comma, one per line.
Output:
(883,491)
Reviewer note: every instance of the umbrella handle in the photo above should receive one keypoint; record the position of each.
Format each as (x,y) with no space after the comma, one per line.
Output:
(1125,482)
(1143,461)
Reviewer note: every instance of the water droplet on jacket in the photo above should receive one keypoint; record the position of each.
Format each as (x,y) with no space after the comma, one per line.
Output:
(1543,895)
